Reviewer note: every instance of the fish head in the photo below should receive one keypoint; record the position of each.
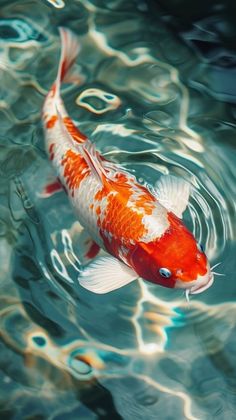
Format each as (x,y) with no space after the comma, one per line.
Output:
(174,260)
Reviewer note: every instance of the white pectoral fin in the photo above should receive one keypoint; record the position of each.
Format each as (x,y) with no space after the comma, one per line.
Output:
(106,274)
(173,193)
(52,187)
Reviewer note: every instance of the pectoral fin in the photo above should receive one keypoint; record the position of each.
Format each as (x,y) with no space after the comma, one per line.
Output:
(51,188)
(106,274)
(173,193)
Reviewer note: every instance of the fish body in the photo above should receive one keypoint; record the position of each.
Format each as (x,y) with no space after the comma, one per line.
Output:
(141,230)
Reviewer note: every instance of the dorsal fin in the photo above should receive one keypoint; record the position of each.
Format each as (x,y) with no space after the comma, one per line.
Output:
(93,159)
(173,193)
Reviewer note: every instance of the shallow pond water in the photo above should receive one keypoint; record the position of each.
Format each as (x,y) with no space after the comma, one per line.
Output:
(158,103)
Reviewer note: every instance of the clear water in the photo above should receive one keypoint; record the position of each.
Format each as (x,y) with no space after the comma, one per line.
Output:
(141,352)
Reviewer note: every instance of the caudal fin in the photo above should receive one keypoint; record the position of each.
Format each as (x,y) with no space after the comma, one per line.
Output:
(69,52)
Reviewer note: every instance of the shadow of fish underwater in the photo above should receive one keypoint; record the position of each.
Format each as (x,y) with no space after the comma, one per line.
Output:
(141,230)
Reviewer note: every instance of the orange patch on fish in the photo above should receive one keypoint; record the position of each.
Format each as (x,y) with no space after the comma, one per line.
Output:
(75,169)
(52,121)
(74,131)
(145,201)
(121,223)
(100,194)
(180,243)
(175,249)
(51,151)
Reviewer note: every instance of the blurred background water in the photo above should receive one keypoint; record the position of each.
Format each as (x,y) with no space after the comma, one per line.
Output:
(157,94)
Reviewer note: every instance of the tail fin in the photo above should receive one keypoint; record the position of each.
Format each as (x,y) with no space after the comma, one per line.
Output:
(69,52)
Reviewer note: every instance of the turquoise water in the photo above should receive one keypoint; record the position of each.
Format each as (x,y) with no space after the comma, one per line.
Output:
(160,104)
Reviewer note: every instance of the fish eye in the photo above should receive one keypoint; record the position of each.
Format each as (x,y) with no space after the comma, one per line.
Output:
(200,247)
(164,272)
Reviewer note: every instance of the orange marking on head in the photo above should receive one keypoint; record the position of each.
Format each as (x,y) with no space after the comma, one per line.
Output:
(52,121)
(74,131)
(75,169)
(182,248)
(91,206)
(176,250)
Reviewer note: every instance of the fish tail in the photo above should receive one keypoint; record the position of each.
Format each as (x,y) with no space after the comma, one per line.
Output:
(69,51)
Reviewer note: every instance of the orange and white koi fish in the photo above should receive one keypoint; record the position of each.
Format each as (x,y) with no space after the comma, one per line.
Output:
(141,230)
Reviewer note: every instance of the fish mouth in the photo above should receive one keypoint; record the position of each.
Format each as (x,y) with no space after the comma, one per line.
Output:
(202,286)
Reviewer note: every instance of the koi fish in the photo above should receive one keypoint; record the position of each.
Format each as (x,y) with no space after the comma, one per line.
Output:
(141,230)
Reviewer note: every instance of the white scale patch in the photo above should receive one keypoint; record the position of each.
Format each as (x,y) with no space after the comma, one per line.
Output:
(156,223)
(82,201)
